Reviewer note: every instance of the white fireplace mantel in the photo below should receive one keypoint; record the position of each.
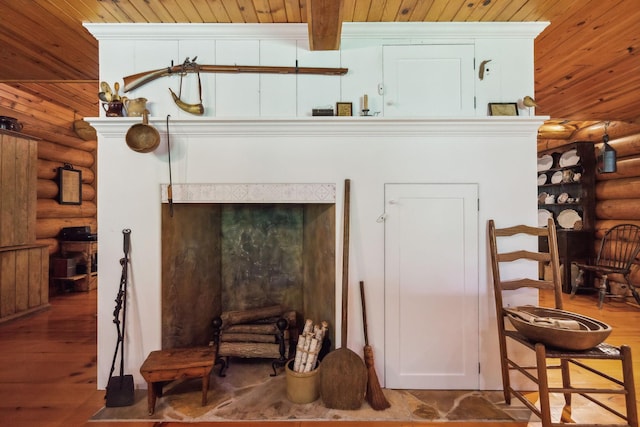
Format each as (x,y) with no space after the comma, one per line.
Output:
(329,126)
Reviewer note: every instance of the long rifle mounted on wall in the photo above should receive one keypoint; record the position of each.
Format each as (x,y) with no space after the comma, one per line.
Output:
(191,66)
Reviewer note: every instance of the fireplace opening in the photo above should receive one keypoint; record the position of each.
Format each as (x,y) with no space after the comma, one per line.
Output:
(236,256)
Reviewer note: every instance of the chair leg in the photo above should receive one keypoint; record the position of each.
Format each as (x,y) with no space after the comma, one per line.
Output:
(543,385)
(629,386)
(566,380)
(506,382)
(566,383)
(634,292)
(602,290)
(577,283)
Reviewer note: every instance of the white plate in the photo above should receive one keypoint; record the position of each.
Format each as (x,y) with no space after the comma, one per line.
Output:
(568,218)
(543,216)
(569,158)
(545,162)
(556,178)
(542,179)
(562,198)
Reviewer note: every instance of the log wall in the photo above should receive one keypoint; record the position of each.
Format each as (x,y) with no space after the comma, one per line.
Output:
(617,194)
(59,144)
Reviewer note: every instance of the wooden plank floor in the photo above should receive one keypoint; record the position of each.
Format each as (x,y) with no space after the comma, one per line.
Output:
(48,364)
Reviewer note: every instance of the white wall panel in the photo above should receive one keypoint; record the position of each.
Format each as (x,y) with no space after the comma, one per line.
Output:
(278,92)
(238,95)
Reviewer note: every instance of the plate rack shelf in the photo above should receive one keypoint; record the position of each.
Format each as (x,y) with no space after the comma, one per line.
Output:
(568,185)
(566,191)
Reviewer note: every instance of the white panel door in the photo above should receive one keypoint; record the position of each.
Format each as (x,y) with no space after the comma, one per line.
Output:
(431,286)
(428,80)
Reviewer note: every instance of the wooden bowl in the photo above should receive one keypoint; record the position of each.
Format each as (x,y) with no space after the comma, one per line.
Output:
(143,137)
(588,334)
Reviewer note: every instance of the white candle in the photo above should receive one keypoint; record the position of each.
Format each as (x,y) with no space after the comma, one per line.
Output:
(365,103)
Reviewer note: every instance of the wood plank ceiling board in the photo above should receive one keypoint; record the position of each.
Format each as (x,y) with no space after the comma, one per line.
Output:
(219,11)
(419,11)
(192,13)
(586,60)
(348,8)
(207,15)
(233,10)
(511,9)
(64,56)
(278,11)
(543,10)
(467,9)
(108,11)
(67,19)
(449,13)
(390,11)
(597,50)
(263,11)
(248,11)
(151,13)
(79,97)
(599,35)
(324,19)
(405,10)
(437,9)
(362,9)
(292,8)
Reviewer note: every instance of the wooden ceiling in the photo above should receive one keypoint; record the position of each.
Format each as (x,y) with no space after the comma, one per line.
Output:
(587,61)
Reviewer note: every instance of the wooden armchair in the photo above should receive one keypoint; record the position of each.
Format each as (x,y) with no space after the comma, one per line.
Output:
(618,250)
(594,385)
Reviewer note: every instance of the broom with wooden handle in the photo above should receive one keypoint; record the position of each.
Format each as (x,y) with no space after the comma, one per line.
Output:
(374,394)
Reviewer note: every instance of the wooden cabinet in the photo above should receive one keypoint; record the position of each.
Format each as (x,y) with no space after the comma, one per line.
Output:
(85,253)
(24,265)
(566,192)
(18,188)
(573,246)
(24,280)
(566,186)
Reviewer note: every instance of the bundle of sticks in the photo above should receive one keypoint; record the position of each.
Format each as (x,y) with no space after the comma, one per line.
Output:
(309,345)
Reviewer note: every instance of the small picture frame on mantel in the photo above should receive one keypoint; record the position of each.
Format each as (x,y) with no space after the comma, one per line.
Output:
(503,108)
(344,108)
(69,185)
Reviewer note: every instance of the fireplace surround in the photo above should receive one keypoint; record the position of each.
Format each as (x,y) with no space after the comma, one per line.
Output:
(245,246)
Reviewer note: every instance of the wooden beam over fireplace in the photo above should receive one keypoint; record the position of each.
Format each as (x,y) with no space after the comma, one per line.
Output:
(324,20)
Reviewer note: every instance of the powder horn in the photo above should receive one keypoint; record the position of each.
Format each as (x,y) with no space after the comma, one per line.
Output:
(197,109)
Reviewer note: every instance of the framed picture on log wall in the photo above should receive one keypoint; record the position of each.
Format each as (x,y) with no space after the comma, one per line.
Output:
(503,108)
(69,185)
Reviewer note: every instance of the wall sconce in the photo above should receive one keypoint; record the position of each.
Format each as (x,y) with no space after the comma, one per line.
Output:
(608,155)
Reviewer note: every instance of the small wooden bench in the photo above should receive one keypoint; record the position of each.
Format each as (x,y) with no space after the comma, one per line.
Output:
(164,366)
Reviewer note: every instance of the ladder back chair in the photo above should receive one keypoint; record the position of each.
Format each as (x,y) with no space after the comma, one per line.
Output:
(619,248)
(549,359)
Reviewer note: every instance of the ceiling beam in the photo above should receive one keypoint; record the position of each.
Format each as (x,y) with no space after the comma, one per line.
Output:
(324,19)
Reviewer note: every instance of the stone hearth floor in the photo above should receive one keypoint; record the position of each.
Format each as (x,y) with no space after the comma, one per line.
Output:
(248,392)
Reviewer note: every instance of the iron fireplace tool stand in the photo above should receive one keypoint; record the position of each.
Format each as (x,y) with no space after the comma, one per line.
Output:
(120,388)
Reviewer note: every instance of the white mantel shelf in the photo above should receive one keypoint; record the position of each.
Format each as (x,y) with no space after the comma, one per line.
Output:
(328,126)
